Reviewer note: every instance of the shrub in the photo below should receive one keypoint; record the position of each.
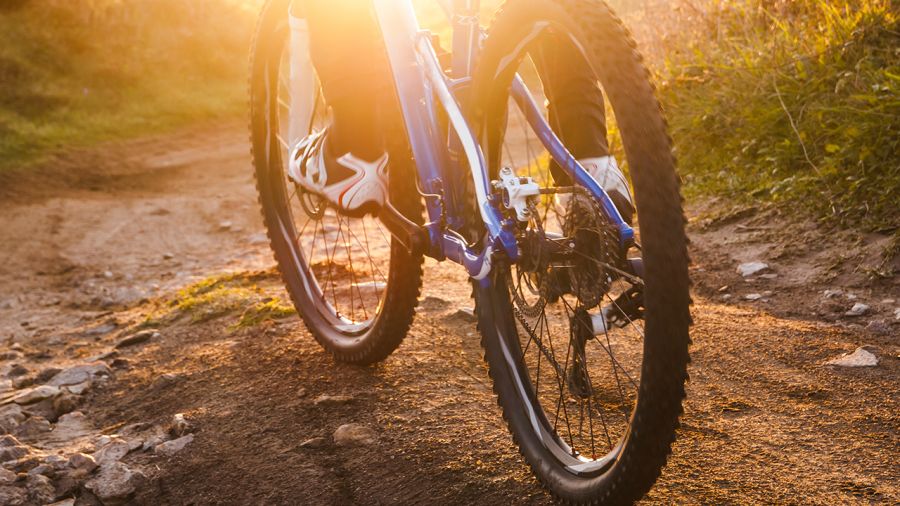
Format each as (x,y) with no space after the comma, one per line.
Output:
(795,102)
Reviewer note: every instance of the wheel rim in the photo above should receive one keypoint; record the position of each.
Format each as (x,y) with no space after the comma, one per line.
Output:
(579,398)
(343,262)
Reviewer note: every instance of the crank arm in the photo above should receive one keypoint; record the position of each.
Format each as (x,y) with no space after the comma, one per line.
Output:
(414,237)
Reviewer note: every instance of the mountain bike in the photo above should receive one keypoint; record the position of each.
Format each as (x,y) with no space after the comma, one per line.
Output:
(583,316)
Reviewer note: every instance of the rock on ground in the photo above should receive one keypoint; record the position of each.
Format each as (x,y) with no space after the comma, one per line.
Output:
(12,496)
(40,489)
(750,268)
(36,394)
(82,463)
(858,309)
(112,452)
(7,441)
(69,427)
(156,435)
(332,400)
(11,416)
(8,453)
(431,303)
(467,314)
(47,374)
(33,427)
(80,374)
(859,358)
(174,446)
(354,434)
(138,338)
(879,327)
(115,482)
(180,425)
(78,388)
(7,477)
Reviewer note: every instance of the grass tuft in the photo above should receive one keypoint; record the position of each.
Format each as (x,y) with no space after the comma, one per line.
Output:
(217,296)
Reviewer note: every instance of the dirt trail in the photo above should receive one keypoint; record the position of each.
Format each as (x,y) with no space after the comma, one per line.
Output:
(765,422)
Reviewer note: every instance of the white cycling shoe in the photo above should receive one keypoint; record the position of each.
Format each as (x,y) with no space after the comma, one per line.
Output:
(355,186)
(609,176)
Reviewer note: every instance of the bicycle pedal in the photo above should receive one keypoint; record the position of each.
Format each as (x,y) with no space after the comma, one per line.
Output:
(628,307)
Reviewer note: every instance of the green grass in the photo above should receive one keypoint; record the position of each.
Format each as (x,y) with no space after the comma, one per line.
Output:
(77,73)
(244,296)
(221,295)
(792,103)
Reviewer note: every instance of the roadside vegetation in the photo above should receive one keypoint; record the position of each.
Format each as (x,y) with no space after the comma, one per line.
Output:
(791,102)
(795,102)
(76,73)
(244,295)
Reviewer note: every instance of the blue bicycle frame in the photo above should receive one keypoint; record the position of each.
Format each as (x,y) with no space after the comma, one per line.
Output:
(423,88)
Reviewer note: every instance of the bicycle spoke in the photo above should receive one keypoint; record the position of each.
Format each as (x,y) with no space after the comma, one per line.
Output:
(283,143)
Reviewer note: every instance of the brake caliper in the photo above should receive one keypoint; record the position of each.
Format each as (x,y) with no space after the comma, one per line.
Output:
(516,192)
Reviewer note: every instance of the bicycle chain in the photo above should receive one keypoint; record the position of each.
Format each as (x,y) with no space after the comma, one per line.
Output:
(561,373)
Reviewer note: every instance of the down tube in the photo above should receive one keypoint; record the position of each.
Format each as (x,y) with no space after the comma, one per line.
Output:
(400,30)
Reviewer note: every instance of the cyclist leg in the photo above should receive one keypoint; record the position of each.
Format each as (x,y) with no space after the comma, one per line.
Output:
(347,162)
(578,115)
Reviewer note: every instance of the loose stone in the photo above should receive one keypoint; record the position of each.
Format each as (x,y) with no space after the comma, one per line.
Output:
(332,400)
(354,434)
(467,314)
(82,463)
(40,489)
(180,425)
(316,442)
(138,338)
(115,482)
(174,446)
(80,374)
(750,268)
(858,309)
(861,357)
(33,427)
(112,452)
(36,394)
(46,374)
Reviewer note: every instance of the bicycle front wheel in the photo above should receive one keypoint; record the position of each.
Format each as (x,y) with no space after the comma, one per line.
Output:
(355,286)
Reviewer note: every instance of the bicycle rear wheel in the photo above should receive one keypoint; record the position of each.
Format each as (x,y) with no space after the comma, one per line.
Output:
(593,411)
(355,286)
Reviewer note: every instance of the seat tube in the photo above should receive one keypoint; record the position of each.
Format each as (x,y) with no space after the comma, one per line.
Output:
(400,31)
(465,36)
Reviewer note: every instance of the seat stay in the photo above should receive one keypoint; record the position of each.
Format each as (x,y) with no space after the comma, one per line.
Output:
(558,151)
